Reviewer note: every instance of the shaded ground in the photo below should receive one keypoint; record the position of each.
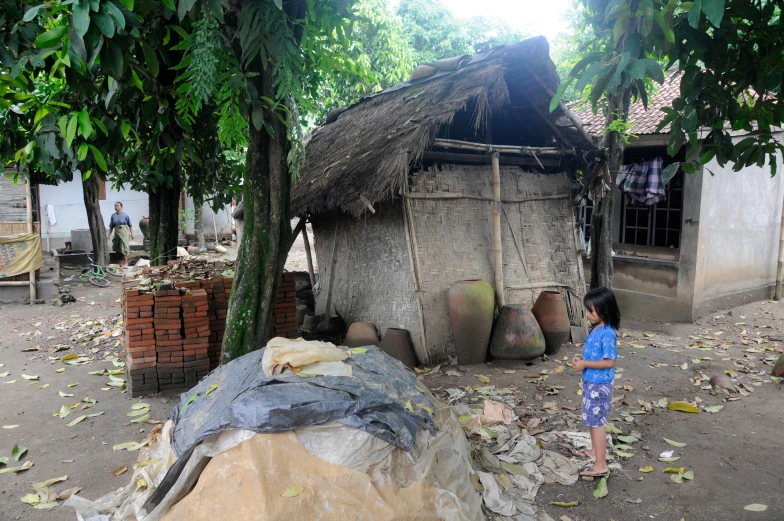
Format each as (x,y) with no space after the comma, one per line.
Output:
(734,453)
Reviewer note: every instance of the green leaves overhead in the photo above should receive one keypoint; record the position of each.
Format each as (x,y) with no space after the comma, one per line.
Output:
(714,11)
(51,37)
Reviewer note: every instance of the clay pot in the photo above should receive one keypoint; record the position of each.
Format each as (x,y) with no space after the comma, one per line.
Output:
(550,312)
(517,335)
(778,367)
(397,344)
(361,334)
(311,322)
(144,226)
(302,311)
(471,304)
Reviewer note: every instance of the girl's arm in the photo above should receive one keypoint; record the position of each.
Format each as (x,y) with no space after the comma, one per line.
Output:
(605,363)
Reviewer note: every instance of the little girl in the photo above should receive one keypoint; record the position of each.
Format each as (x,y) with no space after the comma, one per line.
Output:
(597,365)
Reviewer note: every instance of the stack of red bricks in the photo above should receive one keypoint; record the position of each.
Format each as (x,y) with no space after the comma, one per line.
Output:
(196,326)
(139,342)
(284,316)
(218,306)
(168,339)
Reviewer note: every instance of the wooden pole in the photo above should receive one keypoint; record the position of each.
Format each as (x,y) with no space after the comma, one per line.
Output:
(308,254)
(332,268)
(214,225)
(458,195)
(497,249)
(780,270)
(29,202)
(487,147)
(48,243)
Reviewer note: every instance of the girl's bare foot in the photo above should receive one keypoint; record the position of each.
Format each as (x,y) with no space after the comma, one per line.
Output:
(590,453)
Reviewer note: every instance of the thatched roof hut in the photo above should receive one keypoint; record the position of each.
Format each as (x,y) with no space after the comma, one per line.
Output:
(399,188)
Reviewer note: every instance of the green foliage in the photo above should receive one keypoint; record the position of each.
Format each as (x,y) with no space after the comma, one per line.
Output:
(435,33)
(622,127)
(729,54)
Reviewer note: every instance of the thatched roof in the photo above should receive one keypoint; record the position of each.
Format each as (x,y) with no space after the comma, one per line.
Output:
(363,157)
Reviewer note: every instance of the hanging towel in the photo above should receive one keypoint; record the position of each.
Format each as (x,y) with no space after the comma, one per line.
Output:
(642,182)
(50,214)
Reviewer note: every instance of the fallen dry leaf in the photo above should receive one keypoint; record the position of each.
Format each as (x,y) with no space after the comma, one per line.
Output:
(293,491)
(120,470)
(683,407)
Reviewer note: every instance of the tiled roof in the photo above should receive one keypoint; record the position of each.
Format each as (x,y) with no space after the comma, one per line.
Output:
(644,121)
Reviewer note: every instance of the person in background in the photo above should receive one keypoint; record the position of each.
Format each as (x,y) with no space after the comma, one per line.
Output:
(121,225)
(597,365)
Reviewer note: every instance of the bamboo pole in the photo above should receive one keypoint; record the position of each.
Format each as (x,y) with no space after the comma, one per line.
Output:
(780,269)
(482,147)
(29,202)
(15,283)
(333,266)
(214,225)
(458,195)
(48,243)
(499,254)
(309,255)
(484,159)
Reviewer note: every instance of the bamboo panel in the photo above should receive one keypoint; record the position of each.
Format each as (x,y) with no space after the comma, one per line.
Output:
(455,238)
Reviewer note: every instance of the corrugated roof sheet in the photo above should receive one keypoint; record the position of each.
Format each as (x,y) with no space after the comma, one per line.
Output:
(644,121)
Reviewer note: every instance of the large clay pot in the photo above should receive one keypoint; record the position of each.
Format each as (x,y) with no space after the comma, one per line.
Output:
(550,311)
(517,335)
(471,304)
(144,227)
(361,334)
(397,343)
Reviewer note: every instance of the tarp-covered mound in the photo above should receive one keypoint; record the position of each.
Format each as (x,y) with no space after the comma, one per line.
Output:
(375,445)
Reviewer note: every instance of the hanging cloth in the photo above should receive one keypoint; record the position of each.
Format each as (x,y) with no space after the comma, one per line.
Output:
(642,183)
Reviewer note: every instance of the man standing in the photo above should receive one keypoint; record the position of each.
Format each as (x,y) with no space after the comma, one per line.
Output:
(120,223)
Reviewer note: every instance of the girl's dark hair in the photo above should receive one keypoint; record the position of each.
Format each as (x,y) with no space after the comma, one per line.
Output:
(118,202)
(602,301)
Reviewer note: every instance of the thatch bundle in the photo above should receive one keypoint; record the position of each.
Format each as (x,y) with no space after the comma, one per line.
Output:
(363,157)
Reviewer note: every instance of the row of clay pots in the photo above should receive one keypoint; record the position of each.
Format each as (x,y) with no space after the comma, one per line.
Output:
(520,333)
(396,342)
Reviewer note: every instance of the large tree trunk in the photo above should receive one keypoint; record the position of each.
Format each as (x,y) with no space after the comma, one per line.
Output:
(198,226)
(267,235)
(602,271)
(164,221)
(98,230)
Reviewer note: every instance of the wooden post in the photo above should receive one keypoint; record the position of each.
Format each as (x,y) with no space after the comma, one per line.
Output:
(327,313)
(308,254)
(29,202)
(499,257)
(780,270)
(48,243)
(214,225)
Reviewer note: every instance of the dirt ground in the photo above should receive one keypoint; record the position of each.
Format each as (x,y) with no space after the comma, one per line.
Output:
(734,453)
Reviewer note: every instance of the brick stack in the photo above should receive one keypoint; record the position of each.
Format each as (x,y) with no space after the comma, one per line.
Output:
(196,326)
(218,306)
(284,316)
(142,377)
(168,339)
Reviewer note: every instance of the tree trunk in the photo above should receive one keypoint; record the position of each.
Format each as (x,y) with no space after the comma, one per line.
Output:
(164,206)
(198,226)
(267,236)
(98,229)
(602,271)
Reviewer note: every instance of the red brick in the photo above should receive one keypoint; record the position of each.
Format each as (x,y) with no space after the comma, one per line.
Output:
(131,292)
(194,341)
(139,321)
(145,308)
(140,343)
(158,300)
(169,349)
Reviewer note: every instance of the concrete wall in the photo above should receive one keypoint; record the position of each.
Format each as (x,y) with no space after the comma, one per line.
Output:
(739,236)
(223,220)
(69,209)
(71,214)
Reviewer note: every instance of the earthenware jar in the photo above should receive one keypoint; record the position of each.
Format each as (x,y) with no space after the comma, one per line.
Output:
(550,311)
(517,335)
(311,322)
(471,305)
(361,334)
(397,343)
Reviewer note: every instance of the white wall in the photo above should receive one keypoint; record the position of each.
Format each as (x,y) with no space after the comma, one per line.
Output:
(739,229)
(223,220)
(71,214)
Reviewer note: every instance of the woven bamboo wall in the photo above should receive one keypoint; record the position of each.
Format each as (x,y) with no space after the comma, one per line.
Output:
(373,278)
(455,239)
(13,202)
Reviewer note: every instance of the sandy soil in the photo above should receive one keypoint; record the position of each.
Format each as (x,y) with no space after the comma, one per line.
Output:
(735,453)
